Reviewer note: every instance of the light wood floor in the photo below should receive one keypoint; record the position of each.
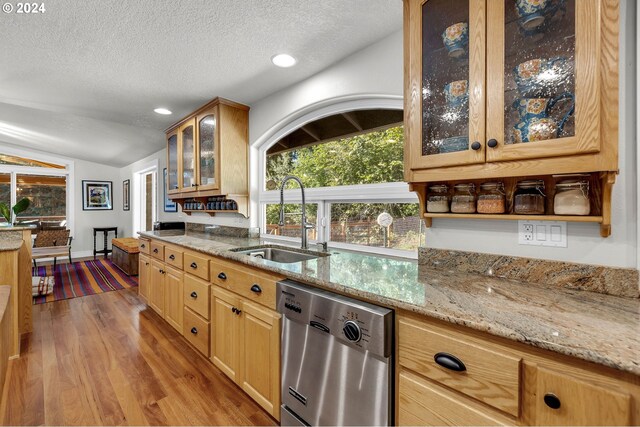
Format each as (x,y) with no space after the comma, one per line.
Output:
(108,360)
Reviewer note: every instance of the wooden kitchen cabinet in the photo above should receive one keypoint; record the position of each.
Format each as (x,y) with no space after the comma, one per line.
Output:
(144,277)
(156,287)
(207,155)
(491,93)
(502,382)
(245,345)
(173,297)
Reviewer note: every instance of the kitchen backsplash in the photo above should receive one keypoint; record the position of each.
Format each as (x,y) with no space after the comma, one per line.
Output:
(224,230)
(622,282)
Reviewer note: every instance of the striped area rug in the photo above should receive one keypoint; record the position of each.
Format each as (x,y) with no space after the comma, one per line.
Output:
(84,278)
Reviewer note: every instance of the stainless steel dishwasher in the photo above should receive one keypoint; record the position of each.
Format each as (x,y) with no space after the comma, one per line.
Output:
(337,359)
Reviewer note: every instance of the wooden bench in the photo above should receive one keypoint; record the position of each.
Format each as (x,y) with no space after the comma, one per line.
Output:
(125,254)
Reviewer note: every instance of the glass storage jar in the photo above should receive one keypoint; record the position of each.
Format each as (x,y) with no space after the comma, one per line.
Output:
(464,198)
(572,198)
(491,198)
(438,199)
(529,197)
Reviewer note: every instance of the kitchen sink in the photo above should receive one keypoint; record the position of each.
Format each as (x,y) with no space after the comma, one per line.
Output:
(280,254)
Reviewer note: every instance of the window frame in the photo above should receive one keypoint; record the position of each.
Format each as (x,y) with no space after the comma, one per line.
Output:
(391,192)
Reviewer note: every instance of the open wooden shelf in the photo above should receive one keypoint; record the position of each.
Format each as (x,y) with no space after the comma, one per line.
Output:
(600,184)
(241,200)
(210,212)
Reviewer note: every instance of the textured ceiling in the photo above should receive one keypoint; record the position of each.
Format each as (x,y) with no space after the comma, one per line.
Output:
(84,77)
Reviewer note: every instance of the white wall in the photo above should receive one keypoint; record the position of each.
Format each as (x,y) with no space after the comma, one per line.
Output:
(378,70)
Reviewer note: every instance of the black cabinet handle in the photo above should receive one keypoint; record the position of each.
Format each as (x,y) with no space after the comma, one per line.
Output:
(142,245)
(161,271)
(450,362)
(155,251)
(493,143)
(222,276)
(233,309)
(194,265)
(476,146)
(194,294)
(146,263)
(552,401)
(193,185)
(172,257)
(194,330)
(256,288)
(238,312)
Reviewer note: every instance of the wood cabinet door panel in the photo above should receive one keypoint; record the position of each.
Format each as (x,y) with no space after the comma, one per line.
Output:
(261,363)
(422,403)
(144,274)
(156,287)
(580,402)
(226,330)
(173,306)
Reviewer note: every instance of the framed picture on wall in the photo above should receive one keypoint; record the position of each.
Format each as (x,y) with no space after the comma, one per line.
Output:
(96,196)
(169,205)
(126,185)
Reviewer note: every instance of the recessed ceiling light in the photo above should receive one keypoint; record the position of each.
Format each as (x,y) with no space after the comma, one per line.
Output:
(283,60)
(163,111)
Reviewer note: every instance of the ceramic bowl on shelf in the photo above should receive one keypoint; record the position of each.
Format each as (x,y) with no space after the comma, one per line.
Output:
(456,93)
(456,39)
(539,76)
(531,12)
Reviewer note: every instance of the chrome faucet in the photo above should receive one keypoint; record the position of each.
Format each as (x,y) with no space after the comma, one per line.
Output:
(304,225)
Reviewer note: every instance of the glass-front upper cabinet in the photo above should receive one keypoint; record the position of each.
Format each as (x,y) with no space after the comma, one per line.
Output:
(447,84)
(188,144)
(208,173)
(542,78)
(501,80)
(172,162)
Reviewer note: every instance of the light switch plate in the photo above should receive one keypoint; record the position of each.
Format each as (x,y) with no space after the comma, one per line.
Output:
(542,233)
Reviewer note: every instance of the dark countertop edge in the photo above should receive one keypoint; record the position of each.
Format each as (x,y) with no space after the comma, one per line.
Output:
(626,366)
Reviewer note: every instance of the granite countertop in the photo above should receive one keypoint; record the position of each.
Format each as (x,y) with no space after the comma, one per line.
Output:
(11,238)
(599,328)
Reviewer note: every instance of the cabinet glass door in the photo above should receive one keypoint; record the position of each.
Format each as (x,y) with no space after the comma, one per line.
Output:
(188,157)
(207,147)
(544,85)
(451,81)
(172,163)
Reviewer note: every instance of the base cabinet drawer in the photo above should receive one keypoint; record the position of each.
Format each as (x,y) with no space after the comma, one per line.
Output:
(481,372)
(157,250)
(196,295)
(423,403)
(196,264)
(256,286)
(173,257)
(144,245)
(196,331)
(565,400)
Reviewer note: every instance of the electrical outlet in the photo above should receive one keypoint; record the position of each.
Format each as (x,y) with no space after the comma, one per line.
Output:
(543,233)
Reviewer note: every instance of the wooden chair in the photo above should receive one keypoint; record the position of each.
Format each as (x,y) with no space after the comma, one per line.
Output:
(52,243)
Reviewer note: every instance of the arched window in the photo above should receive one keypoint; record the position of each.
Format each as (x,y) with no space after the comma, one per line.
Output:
(351,163)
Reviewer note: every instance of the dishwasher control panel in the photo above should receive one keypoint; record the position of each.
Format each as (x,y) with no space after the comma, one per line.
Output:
(359,324)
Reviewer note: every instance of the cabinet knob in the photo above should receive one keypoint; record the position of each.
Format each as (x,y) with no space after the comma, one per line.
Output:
(194,294)
(222,276)
(450,362)
(233,309)
(146,263)
(194,330)
(194,265)
(238,311)
(161,271)
(476,146)
(172,257)
(552,401)
(493,143)
(142,245)
(256,288)
(155,251)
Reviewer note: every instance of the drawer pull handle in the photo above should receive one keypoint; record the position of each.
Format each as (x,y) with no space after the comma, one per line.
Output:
(256,288)
(146,263)
(194,294)
(172,257)
(552,401)
(194,265)
(222,276)
(155,251)
(492,143)
(194,330)
(142,245)
(449,361)
(238,312)
(233,309)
